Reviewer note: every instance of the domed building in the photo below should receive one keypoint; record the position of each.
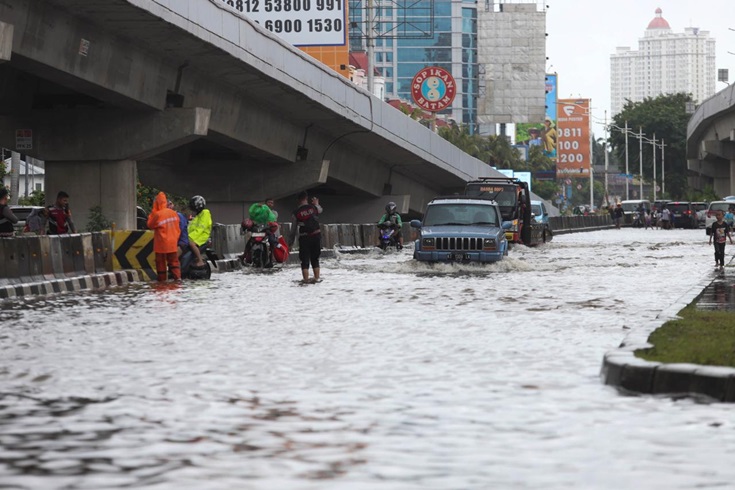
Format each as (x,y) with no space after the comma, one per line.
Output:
(666,62)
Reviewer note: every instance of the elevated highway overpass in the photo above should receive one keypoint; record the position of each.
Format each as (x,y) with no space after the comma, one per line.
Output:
(195,100)
(711,143)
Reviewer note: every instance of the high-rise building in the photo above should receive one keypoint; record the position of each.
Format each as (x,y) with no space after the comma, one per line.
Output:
(499,66)
(665,63)
(408,36)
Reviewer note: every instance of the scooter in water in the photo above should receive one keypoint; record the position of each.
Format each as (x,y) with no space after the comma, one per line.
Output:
(193,272)
(257,252)
(388,234)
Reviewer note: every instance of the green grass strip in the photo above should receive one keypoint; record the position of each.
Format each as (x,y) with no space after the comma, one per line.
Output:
(699,337)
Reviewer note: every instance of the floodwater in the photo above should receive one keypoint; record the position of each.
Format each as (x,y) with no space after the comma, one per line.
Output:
(387,375)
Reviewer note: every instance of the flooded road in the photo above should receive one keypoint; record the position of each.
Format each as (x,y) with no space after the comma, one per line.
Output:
(387,375)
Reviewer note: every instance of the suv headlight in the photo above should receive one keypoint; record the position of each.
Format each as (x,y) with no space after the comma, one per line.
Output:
(427,243)
(488,244)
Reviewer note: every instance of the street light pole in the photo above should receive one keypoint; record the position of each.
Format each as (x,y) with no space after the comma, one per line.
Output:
(663,170)
(370,47)
(640,160)
(604,148)
(655,184)
(627,172)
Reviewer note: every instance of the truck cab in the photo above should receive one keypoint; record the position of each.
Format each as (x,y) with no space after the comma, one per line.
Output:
(514,199)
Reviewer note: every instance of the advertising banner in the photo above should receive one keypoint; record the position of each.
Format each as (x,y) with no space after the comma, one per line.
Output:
(298,22)
(573,152)
(542,133)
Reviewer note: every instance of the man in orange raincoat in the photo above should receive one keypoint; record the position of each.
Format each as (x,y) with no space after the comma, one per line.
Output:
(165,225)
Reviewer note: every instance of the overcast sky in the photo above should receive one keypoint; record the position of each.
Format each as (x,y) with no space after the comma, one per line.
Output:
(584,33)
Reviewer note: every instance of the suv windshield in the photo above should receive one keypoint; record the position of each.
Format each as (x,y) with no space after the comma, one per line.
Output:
(460,214)
(720,206)
(536,209)
(699,206)
(631,207)
(677,208)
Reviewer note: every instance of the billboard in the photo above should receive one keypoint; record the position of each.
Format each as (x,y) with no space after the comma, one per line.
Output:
(573,151)
(542,133)
(298,22)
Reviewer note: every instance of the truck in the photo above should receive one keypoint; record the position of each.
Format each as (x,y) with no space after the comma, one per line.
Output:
(514,198)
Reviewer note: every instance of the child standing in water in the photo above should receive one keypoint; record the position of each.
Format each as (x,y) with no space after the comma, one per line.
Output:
(720,234)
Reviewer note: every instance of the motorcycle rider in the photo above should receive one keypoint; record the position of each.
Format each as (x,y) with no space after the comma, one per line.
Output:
(200,229)
(264,216)
(393,219)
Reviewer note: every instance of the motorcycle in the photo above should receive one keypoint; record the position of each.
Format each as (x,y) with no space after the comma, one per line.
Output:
(258,247)
(205,272)
(388,236)
(638,221)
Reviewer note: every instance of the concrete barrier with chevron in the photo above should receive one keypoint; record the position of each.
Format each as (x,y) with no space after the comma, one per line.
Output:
(134,250)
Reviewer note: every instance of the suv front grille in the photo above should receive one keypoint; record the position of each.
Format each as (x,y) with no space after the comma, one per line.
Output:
(444,243)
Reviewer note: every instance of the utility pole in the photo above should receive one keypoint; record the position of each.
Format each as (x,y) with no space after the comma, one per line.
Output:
(607,163)
(14,177)
(640,160)
(370,47)
(655,184)
(627,172)
(663,170)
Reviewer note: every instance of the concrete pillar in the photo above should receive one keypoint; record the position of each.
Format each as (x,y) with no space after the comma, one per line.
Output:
(112,185)
(6,41)
(732,178)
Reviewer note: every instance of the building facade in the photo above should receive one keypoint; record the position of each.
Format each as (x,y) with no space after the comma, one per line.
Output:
(512,55)
(665,63)
(408,36)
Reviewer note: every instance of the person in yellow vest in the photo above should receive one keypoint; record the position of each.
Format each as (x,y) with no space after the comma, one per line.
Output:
(200,230)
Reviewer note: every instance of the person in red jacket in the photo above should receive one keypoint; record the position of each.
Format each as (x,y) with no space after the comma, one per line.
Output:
(165,225)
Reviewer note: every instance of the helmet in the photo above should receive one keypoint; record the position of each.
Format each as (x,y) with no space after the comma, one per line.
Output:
(197,203)
(390,208)
(246,224)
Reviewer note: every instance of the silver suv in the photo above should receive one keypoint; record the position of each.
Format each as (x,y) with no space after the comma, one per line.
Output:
(461,229)
(713,207)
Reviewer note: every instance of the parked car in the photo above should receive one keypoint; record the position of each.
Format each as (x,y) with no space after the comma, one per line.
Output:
(22,213)
(700,208)
(658,205)
(631,206)
(540,215)
(682,214)
(461,229)
(713,207)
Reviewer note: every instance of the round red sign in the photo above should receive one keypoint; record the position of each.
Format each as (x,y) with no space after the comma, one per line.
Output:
(433,89)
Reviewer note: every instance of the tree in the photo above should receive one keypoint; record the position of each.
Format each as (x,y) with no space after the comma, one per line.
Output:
(666,117)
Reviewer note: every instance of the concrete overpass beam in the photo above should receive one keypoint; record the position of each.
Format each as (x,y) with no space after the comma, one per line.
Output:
(715,149)
(6,41)
(108,184)
(227,185)
(63,47)
(107,135)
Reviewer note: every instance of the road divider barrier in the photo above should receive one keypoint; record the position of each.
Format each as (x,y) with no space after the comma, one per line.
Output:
(133,250)
(30,258)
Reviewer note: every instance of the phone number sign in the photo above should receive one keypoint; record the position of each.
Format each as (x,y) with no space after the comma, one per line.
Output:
(298,22)
(433,89)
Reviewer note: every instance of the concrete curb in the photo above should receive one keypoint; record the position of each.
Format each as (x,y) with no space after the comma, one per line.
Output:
(630,374)
(72,284)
